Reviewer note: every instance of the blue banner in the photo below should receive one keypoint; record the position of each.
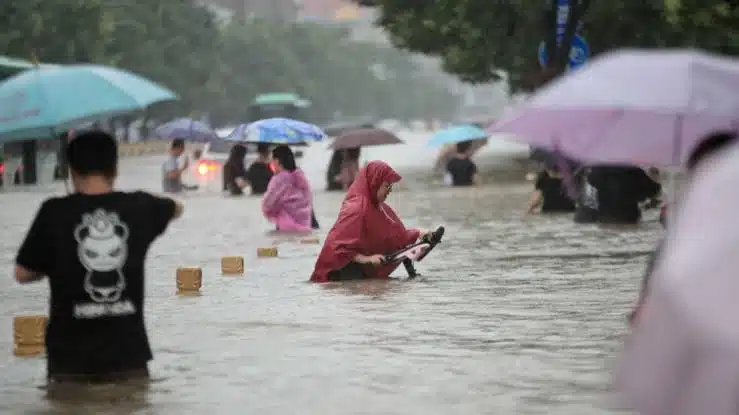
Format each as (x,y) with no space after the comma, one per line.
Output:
(563,12)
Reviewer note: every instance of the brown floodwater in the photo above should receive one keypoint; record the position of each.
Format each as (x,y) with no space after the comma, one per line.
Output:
(513,314)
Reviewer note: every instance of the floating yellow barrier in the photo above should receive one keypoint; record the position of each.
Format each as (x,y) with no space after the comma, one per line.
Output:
(232,265)
(267,252)
(189,280)
(29,333)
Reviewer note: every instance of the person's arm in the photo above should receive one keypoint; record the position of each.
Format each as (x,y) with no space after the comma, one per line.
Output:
(33,260)
(476,179)
(273,196)
(443,158)
(179,209)
(242,179)
(345,176)
(538,196)
(173,171)
(163,210)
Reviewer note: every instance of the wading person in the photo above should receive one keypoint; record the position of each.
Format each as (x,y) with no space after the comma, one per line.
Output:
(92,245)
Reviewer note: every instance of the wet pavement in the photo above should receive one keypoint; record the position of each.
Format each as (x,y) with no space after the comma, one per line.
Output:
(514,315)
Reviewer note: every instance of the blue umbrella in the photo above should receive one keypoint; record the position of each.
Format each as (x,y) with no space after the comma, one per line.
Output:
(277,131)
(48,100)
(186,129)
(457,134)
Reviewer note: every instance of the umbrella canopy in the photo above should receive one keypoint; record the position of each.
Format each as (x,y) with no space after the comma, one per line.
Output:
(457,134)
(632,107)
(186,129)
(365,138)
(46,101)
(277,131)
(339,128)
(683,355)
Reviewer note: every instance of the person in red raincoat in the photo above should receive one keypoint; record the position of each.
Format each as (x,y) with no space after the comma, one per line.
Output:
(366,229)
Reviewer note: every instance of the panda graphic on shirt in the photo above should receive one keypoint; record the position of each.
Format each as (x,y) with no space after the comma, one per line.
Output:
(102,248)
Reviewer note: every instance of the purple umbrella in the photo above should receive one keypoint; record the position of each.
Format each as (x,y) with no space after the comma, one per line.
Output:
(683,356)
(186,129)
(632,107)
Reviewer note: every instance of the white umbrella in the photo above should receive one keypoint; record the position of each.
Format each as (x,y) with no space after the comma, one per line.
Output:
(683,356)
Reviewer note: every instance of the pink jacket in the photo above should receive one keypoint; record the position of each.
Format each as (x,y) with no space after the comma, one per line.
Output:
(288,201)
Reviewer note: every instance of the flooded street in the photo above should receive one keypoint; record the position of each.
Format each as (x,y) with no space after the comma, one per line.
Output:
(513,315)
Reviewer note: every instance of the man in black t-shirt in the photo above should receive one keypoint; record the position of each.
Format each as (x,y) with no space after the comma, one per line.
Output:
(461,171)
(92,245)
(260,173)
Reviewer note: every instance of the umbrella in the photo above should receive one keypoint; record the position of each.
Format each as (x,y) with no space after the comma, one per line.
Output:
(46,101)
(186,129)
(365,138)
(339,128)
(457,134)
(683,356)
(632,107)
(277,131)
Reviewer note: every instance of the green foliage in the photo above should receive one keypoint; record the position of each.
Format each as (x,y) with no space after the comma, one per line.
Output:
(480,39)
(219,70)
(708,24)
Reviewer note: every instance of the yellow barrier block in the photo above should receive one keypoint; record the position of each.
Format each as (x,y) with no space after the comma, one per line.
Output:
(189,280)
(308,241)
(29,333)
(232,265)
(266,252)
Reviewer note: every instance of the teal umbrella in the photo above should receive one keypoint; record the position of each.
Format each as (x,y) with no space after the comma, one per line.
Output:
(457,134)
(47,101)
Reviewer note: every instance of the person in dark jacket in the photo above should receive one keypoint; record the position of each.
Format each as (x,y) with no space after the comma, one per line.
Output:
(333,171)
(550,192)
(620,190)
(234,171)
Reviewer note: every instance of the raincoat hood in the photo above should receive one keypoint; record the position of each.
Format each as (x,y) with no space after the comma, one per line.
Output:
(369,180)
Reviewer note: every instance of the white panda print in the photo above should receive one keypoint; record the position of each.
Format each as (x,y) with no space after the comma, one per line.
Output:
(102,247)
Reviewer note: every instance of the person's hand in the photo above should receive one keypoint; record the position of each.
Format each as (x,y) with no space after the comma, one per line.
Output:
(375,260)
(186,163)
(422,232)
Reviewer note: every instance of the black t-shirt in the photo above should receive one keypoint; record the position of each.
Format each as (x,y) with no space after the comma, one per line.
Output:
(554,194)
(462,171)
(259,175)
(92,248)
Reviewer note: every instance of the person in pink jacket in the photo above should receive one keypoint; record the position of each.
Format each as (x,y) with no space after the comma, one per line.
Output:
(288,202)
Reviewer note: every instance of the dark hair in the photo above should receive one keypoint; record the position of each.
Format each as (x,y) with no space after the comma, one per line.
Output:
(708,146)
(284,155)
(237,154)
(263,149)
(178,143)
(93,153)
(463,146)
(353,153)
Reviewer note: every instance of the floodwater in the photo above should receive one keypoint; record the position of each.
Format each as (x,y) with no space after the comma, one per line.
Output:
(513,315)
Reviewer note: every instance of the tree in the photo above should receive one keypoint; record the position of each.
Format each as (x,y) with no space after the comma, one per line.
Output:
(709,24)
(62,31)
(220,70)
(478,40)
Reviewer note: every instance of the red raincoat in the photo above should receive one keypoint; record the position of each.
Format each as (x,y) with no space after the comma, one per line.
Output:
(365,226)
